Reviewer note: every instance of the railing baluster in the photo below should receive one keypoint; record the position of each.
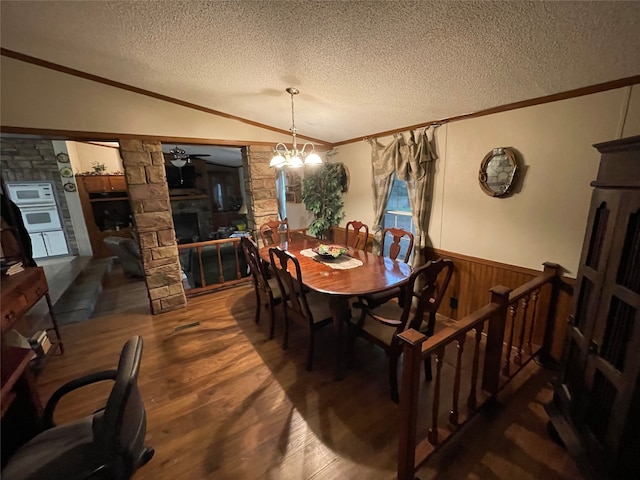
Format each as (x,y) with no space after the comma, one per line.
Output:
(199,250)
(512,315)
(453,414)
(236,247)
(433,431)
(523,324)
(219,253)
(472,401)
(534,299)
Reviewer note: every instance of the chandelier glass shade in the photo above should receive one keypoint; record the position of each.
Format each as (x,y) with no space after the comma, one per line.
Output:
(294,158)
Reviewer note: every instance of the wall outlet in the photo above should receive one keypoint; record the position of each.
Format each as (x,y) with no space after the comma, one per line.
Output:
(453,302)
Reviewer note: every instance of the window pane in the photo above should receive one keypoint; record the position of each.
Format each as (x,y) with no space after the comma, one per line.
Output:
(398,202)
(399,198)
(404,222)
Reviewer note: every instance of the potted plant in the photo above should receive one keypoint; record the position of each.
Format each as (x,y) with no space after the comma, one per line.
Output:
(322,191)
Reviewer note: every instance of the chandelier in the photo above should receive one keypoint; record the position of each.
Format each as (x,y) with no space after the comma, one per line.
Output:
(294,158)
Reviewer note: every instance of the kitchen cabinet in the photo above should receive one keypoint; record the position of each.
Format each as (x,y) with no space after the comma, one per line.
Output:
(47,244)
(596,405)
(55,242)
(39,250)
(104,183)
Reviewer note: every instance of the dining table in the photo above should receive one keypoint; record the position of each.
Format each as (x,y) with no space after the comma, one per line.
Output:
(354,273)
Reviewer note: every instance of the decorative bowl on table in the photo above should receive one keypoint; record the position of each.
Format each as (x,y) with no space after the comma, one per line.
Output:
(330,252)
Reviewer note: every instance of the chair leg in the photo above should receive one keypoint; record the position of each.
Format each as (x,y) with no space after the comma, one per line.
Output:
(428,376)
(393,378)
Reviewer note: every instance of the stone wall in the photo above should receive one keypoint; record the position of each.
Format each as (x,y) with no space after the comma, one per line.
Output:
(149,196)
(260,186)
(27,159)
(201,208)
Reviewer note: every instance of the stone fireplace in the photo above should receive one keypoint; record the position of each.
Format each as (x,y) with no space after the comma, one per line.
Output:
(192,219)
(186,227)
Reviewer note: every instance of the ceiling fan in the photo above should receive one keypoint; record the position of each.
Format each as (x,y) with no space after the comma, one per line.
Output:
(181,158)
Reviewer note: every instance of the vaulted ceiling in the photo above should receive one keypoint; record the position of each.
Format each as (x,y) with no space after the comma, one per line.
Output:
(362,67)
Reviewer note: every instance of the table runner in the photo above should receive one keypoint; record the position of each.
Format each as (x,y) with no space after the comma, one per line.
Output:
(345,262)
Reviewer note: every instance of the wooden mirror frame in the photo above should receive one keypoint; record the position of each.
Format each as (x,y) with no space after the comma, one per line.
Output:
(512,170)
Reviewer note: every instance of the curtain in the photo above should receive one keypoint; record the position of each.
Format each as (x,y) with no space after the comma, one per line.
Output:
(383,162)
(413,164)
(419,187)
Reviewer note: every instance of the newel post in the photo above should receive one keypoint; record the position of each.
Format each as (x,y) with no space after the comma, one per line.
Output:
(411,370)
(544,356)
(495,340)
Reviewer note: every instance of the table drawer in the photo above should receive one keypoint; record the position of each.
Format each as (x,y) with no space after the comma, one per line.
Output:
(12,310)
(36,290)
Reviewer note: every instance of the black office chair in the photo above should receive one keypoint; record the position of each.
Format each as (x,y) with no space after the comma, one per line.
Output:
(108,444)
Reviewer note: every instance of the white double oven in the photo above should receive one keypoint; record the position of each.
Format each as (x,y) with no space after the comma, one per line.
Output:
(39,208)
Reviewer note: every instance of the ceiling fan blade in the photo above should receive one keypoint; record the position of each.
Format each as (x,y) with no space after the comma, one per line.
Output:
(198,155)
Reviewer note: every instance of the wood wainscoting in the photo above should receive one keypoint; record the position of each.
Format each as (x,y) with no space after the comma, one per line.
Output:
(473,277)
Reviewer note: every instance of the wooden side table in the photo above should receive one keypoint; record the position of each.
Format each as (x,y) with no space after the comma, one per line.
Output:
(20,403)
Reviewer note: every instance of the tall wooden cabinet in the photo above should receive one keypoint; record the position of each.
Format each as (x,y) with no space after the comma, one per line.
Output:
(106,208)
(596,406)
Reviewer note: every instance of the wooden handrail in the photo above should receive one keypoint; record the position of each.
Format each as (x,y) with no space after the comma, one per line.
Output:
(506,326)
(198,247)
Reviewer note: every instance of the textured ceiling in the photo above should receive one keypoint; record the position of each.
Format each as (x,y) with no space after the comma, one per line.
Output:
(362,67)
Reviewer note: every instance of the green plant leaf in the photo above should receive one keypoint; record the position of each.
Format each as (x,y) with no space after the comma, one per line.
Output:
(322,195)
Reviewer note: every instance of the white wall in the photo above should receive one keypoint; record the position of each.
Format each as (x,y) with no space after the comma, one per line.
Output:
(545,220)
(89,154)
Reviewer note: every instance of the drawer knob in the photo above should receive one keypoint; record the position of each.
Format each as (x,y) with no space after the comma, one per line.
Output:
(39,290)
(11,315)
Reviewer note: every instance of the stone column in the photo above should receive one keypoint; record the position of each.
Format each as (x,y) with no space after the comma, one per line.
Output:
(260,186)
(149,196)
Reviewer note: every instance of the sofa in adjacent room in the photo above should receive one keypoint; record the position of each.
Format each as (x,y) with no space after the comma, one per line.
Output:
(128,253)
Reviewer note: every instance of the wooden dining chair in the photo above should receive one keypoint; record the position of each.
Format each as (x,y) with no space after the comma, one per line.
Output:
(382,325)
(352,235)
(268,293)
(271,232)
(310,309)
(396,236)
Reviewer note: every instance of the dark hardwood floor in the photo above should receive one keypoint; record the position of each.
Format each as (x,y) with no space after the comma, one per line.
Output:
(224,402)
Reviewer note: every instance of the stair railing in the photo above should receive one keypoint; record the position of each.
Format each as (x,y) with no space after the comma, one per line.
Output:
(503,336)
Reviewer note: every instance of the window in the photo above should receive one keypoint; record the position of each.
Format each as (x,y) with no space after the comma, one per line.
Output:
(398,214)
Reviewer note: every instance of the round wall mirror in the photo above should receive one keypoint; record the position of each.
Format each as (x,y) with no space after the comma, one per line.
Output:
(498,172)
